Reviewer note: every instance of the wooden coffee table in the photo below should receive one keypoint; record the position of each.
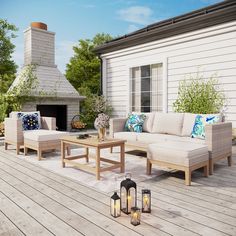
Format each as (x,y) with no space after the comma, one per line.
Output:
(93,142)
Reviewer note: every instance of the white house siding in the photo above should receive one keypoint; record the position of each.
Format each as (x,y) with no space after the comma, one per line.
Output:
(208,51)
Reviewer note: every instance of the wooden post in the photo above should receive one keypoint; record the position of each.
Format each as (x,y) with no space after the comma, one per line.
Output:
(188,176)
(62,154)
(25,151)
(39,154)
(206,170)
(211,166)
(122,158)
(149,167)
(229,160)
(98,163)
(87,154)
(17,149)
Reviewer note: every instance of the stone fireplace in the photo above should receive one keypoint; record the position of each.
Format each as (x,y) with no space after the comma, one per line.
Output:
(55,96)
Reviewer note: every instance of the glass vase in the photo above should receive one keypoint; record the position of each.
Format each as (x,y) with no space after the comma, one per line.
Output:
(101,134)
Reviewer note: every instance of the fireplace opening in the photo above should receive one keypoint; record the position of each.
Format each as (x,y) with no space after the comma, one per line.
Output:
(57,111)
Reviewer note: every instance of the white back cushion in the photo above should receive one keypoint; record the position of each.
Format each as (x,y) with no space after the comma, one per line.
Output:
(189,120)
(148,122)
(168,123)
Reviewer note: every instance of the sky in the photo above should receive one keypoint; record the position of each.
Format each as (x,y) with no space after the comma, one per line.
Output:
(73,20)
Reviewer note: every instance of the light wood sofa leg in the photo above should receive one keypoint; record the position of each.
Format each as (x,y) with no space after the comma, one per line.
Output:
(39,154)
(17,149)
(229,160)
(6,145)
(68,150)
(25,151)
(149,167)
(206,170)
(188,177)
(211,166)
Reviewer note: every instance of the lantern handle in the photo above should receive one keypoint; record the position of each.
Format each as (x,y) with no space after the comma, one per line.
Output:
(128,175)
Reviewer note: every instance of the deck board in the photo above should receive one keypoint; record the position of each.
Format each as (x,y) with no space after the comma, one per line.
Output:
(36,201)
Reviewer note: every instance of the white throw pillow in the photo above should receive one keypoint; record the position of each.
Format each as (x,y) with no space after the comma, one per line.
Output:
(168,123)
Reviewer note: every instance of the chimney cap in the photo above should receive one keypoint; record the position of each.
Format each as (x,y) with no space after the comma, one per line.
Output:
(39,25)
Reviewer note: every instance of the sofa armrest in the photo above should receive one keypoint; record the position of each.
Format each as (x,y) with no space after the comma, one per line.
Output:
(219,139)
(48,123)
(116,125)
(13,130)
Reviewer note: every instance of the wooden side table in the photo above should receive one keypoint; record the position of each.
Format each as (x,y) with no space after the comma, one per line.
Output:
(98,146)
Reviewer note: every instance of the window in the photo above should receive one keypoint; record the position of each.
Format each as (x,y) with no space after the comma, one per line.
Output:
(146,88)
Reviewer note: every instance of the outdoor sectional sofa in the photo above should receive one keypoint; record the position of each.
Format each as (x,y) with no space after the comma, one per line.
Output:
(165,133)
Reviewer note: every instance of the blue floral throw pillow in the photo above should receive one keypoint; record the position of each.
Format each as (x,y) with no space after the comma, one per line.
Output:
(30,121)
(199,125)
(134,123)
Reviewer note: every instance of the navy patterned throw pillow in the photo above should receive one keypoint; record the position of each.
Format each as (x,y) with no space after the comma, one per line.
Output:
(30,121)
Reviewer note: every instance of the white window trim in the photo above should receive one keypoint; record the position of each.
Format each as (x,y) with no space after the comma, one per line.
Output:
(142,62)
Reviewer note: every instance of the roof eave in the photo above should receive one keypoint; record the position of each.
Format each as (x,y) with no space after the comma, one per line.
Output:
(225,12)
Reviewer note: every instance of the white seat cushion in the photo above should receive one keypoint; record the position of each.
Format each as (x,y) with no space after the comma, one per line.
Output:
(184,139)
(168,123)
(44,135)
(129,136)
(151,138)
(187,154)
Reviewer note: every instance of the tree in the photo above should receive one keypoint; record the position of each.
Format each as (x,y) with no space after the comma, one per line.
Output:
(7,65)
(83,70)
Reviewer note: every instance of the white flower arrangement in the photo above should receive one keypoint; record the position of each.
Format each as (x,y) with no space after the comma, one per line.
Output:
(102,121)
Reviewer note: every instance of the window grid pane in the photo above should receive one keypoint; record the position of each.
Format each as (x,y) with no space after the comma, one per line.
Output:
(146,88)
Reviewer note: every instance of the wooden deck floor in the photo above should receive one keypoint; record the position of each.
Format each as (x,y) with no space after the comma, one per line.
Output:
(35,201)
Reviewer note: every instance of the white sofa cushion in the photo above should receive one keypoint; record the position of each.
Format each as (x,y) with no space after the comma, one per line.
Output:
(188,123)
(151,138)
(186,154)
(129,136)
(44,135)
(168,123)
(184,139)
(148,122)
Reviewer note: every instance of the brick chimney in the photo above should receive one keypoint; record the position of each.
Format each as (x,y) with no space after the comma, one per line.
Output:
(39,45)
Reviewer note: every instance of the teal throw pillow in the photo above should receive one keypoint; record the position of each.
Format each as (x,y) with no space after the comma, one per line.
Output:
(134,123)
(199,125)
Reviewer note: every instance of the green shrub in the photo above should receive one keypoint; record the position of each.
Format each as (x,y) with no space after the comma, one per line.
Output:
(196,95)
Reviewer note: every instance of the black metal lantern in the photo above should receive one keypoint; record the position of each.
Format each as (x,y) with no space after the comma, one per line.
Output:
(128,193)
(146,201)
(115,205)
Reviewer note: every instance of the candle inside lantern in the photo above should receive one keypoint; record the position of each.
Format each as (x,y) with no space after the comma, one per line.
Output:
(135,216)
(146,200)
(129,203)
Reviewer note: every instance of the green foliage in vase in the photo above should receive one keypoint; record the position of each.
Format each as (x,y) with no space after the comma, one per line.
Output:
(7,65)
(92,106)
(199,96)
(83,70)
